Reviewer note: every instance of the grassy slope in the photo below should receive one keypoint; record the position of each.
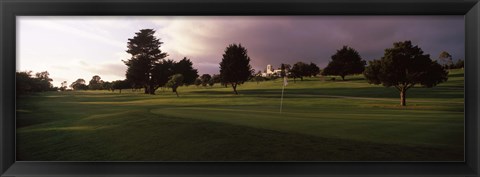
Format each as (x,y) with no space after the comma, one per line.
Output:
(321,120)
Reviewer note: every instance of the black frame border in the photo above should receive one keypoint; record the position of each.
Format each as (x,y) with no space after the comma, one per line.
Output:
(9,9)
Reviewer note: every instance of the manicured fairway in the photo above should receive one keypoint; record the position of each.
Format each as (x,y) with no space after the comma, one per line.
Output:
(321,120)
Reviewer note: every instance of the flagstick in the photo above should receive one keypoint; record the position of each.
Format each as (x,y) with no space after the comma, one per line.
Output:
(281,100)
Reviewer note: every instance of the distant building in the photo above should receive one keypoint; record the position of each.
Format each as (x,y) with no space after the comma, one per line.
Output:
(271,72)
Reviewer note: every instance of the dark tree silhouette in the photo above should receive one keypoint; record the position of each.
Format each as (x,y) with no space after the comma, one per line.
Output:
(313,69)
(205,78)
(120,85)
(95,83)
(185,67)
(211,83)
(146,55)
(459,64)
(235,66)
(283,71)
(107,85)
(288,67)
(24,82)
(345,62)
(42,82)
(403,67)
(299,70)
(215,79)
(162,72)
(79,84)
(64,86)
(198,82)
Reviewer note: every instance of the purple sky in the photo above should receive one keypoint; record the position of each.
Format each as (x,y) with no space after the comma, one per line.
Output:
(80,47)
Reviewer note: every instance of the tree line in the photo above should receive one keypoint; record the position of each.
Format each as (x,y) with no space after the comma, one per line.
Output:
(148,68)
(26,82)
(96,83)
(403,66)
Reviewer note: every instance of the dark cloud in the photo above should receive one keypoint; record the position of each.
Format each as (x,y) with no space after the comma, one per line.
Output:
(275,40)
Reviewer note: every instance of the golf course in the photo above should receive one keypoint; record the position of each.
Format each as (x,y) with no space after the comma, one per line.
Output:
(321,120)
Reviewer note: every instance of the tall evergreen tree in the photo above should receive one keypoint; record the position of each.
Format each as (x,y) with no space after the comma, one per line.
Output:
(145,52)
(235,66)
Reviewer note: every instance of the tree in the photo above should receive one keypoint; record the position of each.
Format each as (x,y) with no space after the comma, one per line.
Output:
(288,67)
(403,67)
(146,56)
(258,79)
(216,79)
(445,59)
(211,83)
(252,73)
(64,86)
(185,67)
(283,73)
(313,69)
(198,82)
(162,72)
(205,78)
(24,82)
(42,82)
(460,64)
(79,84)
(299,70)
(174,82)
(107,85)
(120,84)
(95,83)
(345,61)
(235,66)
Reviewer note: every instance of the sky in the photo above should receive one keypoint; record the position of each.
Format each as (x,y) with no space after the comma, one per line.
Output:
(73,47)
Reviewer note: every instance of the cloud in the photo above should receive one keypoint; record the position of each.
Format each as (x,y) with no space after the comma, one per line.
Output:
(275,40)
(74,26)
(109,70)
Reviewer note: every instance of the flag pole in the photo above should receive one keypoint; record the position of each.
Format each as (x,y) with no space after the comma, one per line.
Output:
(281,100)
(283,88)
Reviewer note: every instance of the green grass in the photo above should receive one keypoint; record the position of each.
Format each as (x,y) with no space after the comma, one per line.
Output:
(321,120)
